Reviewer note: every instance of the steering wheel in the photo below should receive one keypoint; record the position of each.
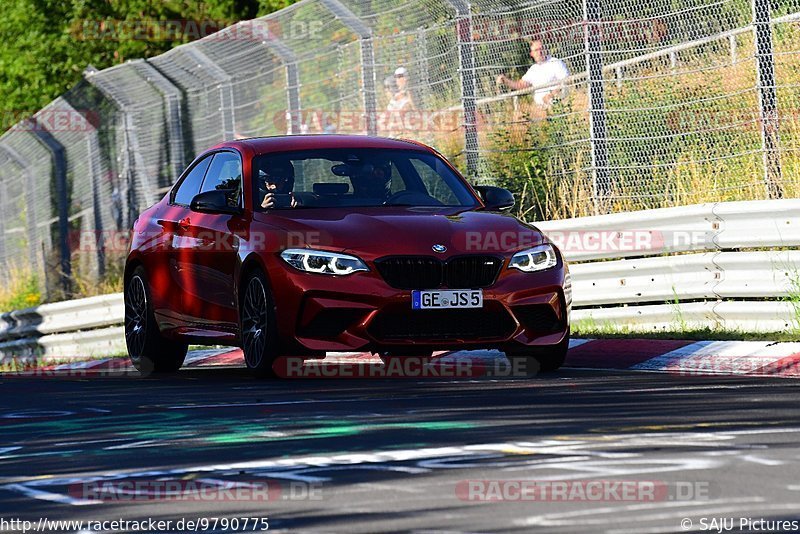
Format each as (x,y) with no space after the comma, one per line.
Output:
(412,197)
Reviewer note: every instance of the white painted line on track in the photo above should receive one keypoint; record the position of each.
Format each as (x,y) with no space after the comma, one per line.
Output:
(274,403)
(34,493)
(572,518)
(720,357)
(659,363)
(74,366)
(578,342)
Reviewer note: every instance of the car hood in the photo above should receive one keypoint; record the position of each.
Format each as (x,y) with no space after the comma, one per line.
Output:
(375,232)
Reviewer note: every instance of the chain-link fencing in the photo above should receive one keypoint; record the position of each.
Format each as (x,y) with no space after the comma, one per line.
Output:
(624,105)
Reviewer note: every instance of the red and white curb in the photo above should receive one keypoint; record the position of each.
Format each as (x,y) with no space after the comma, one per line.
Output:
(689,358)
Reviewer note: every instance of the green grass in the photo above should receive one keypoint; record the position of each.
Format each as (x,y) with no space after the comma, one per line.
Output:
(793,298)
(586,329)
(14,364)
(19,289)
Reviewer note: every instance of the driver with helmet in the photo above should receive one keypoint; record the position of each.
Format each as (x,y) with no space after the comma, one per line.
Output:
(276,183)
(373,180)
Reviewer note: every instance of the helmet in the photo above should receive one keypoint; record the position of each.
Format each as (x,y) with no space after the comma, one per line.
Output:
(278,171)
(372,180)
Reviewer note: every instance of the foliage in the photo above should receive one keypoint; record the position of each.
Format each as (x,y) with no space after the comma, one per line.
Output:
(793,297)
(522,172)
(19,289)
(48,43)
(86,283)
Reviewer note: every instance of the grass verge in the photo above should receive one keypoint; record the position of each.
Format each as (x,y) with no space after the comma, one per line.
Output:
(594,330)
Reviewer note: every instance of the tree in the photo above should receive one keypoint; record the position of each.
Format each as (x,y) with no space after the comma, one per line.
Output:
(48,43)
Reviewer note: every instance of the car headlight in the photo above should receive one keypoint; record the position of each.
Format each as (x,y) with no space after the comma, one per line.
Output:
(534,259)
(321,262)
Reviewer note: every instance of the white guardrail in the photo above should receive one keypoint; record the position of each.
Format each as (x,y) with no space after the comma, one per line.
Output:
(717,265)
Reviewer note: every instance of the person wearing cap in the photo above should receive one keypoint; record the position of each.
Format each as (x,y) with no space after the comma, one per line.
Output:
(546,75)
(400,102)
(401,77)
(401,97)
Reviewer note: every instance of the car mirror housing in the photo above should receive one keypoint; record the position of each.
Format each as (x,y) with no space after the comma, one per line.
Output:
(214,201)
(496,198)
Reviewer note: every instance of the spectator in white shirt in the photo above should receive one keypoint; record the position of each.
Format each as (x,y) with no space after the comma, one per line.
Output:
(546,74)
(400,108)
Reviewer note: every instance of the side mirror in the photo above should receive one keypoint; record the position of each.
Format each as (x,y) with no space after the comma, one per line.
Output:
(214,201)
(496,198)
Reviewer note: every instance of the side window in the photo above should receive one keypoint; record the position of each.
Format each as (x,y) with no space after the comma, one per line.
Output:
(225,174)
(190,185)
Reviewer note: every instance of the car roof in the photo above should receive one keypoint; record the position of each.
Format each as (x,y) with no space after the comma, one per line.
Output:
(283,143)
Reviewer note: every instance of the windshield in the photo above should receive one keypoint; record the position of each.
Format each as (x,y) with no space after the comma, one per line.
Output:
(357,178)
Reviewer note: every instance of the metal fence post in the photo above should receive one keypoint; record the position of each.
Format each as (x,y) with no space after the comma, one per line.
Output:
(173,98)
(601,186)
(93,149)
(58,154)
(364,32)
(30,213)
(289,60)
(226,107)
(466,59)
(3,210)
(767,98)
(137,175)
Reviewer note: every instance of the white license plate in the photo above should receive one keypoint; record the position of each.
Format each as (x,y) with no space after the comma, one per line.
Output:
(437,299)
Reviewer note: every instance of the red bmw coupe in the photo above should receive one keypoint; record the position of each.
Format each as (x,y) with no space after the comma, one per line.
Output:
(306,244)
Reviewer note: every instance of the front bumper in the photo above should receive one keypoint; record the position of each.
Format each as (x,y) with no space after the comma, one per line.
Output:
(361,312)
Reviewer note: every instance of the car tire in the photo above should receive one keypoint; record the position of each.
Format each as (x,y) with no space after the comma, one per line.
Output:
(537,360)
(259,332)
(149,351)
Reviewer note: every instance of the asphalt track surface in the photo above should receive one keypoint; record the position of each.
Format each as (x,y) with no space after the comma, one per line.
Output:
(391,455)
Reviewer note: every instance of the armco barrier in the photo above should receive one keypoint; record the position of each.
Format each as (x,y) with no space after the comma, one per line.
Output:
(694,274)
(706,276)
(745,316)
(700,227)
(85,327)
